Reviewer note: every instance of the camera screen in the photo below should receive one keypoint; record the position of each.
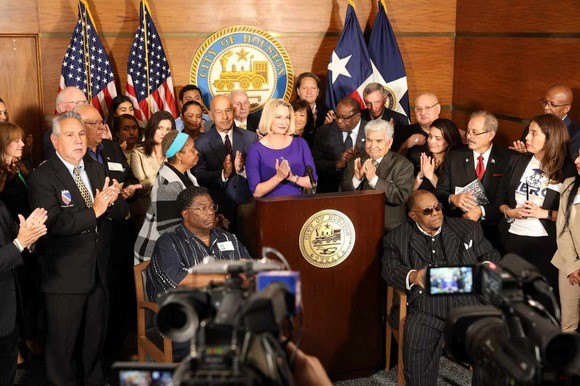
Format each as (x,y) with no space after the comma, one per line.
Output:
(450,280)
(149,377)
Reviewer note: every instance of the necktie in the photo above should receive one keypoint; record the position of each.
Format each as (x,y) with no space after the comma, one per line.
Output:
(314,114)
(479,169)
(242,126)
(375,163)
(82,187)
(348,141)
(228,145)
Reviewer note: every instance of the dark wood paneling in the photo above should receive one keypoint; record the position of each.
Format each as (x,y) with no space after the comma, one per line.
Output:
(509,75)
(516,16)
(423,16)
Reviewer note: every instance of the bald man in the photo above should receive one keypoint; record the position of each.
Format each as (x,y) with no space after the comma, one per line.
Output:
(558,101)
(67,99)
(427,109)
(222,171)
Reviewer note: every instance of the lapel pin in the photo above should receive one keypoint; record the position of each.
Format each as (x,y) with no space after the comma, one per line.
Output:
(492,161)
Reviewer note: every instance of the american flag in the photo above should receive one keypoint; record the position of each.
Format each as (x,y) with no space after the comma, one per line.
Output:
(86,64)
(149,83)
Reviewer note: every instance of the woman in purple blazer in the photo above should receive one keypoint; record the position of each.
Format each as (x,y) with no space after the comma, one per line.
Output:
(277,164)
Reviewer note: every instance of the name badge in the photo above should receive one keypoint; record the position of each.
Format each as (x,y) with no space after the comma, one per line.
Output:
(226,246)
(115,166)
(577,199)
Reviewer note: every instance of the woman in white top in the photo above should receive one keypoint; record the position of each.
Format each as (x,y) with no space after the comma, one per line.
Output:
(567,257)
(530,192)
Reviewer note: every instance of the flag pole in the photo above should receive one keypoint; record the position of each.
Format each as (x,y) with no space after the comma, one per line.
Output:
(145,7)
(384,5)
(84,25)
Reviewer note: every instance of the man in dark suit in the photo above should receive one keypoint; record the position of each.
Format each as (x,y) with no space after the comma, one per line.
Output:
(381,169)
(221,159)
(74,256)
(120,286)
(13,241)
(242,117)
(429,238)
(376,99)
(338,142)
(558,101)
(427,109)
(479,160)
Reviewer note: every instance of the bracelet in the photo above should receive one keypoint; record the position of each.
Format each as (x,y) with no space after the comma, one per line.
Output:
(296,179)
(549,214)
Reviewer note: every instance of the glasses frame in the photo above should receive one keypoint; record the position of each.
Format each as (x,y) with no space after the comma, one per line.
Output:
(429,210)
(199,210)
(471,132)
(419,109)
(544,102)
(337,117)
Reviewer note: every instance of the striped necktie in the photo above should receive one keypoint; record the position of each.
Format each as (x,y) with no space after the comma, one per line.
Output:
(82,187)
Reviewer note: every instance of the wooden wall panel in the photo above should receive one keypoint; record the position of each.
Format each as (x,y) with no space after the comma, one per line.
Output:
(19,17)
(517,16)
(308,30)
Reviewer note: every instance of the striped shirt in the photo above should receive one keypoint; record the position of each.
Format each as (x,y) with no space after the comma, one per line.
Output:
(178,250)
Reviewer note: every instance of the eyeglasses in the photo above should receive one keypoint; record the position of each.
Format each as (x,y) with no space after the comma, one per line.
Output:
(429,211)
(475,133)
(77,103)
(94,123)
(344,117)
(544,102)
(420,109)
(204,209)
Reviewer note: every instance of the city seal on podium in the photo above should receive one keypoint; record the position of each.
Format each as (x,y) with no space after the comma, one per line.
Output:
(242,58)
(327,238)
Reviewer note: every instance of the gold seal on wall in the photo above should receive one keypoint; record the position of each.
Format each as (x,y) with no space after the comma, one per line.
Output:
(327,238)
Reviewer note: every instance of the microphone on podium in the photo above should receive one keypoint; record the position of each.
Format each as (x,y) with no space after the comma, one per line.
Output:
(310,174)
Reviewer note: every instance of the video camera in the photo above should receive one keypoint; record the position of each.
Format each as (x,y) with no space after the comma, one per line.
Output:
(233,330)
(516,339)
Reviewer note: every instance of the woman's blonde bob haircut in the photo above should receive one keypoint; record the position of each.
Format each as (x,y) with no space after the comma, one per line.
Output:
(268,116)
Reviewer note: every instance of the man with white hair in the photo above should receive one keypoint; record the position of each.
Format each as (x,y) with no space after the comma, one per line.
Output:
(382,169)
(242,117)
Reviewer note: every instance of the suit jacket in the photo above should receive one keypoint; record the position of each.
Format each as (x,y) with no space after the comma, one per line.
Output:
(10,257)
(400,120)
(509,183)
(327,149)
(116,165)
(252,123)
(208,170)
(567,257)
(77,245)
(458,170)
(405,248)
(395,174)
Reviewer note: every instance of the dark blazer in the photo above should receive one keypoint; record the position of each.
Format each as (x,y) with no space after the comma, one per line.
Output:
(10,257)
(327,149)
(509,183)
(77,242)
(252,123)
(400,120)
(405,249)
(458,170)
(395,174)
(208,170)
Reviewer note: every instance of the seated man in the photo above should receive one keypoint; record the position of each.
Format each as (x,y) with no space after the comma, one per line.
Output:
(195,238)
(428,237)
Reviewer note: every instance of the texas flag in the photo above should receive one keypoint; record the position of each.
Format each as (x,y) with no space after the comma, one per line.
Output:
(350,69)
(387,63)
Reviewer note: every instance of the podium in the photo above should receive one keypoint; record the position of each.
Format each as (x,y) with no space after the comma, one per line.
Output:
(343,305)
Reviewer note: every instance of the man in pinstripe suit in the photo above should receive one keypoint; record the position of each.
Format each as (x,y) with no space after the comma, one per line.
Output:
(429,238)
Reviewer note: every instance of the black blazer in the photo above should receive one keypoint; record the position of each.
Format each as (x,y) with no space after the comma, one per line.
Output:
(116,165)
(327,149)
(458,170)
(405,249)
(252,123)
(506,192)
(77,242)
(10,257)
(208,170)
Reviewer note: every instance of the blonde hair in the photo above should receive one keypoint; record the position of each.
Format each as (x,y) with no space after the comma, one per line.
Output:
(268,116)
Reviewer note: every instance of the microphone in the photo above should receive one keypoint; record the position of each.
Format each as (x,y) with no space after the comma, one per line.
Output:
(310,174)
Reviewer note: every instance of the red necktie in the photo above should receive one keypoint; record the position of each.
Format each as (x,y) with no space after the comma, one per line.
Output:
(480,169)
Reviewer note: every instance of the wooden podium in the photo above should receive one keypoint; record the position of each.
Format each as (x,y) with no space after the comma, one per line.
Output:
(343,305)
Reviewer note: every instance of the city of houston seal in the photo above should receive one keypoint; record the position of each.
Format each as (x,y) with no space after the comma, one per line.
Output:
(242,58)
(327,238)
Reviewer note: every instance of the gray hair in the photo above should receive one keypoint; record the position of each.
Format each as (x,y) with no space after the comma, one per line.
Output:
(66,115)
(372,87)
(490,123)
(233,93)
(379,125)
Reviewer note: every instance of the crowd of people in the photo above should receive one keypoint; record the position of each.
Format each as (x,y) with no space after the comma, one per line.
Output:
(111,194)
